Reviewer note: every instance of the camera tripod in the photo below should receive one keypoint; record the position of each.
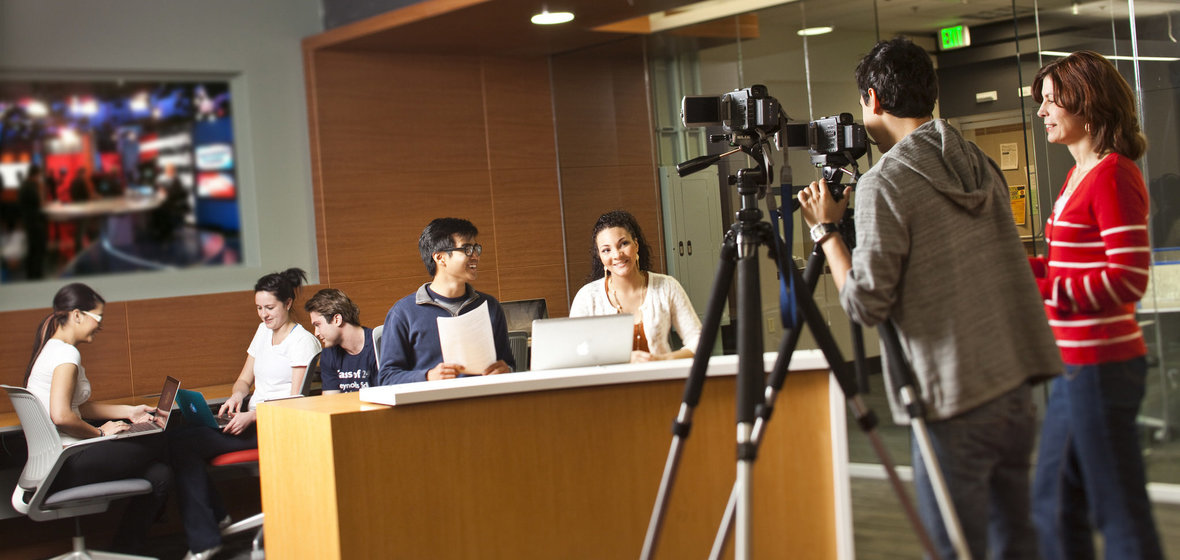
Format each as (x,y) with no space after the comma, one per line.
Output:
(739,255)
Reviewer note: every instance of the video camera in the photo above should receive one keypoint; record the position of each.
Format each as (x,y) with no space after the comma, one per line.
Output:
(741,111)
(750,116)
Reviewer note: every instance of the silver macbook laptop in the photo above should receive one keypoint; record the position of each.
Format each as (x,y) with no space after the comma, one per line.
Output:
(582,341)
(159,420)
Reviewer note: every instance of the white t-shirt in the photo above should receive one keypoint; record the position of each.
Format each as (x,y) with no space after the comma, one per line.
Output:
(665,306)
(56,353)
(273,362)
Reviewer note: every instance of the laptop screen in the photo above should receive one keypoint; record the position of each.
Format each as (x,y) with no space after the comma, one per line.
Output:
(167,397)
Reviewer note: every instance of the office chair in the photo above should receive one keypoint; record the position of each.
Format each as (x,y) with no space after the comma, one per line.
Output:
(33,495)
(518,341)
(377,343)
(248,458)
(520,314)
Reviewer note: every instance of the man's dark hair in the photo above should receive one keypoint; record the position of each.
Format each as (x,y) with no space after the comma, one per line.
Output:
(330,302)
(437,237)
(902,75)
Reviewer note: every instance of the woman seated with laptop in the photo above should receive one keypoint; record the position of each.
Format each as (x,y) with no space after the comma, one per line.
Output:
(276,362)
(56,377)
(621,281)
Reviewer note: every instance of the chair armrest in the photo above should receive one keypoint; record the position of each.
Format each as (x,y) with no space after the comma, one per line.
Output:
(40,488)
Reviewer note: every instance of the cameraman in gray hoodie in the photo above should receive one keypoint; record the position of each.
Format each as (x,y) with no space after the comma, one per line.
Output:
(937,252)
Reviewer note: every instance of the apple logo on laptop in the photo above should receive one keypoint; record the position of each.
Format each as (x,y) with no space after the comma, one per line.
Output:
(583,348)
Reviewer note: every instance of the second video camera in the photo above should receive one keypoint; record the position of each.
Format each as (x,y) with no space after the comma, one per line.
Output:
(741,110)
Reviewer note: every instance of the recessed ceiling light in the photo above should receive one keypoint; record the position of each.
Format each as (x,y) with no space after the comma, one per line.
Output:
(813,31)
(552,18)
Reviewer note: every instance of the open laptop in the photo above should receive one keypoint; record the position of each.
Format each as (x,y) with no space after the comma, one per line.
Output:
(158,421)
(582,341)
(196,411)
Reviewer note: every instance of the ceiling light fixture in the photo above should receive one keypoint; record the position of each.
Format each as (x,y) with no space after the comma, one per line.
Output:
(552,18)
(1120,57)
(812,31)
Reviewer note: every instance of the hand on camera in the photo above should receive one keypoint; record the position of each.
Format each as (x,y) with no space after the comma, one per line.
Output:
(818,206)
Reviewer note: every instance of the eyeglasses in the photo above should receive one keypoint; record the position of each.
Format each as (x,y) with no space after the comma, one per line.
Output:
(97,318)
(468,249)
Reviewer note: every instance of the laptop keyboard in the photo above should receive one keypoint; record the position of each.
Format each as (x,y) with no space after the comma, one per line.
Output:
(141,427)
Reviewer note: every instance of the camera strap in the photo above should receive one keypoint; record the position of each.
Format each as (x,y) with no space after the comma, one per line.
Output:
(788,313)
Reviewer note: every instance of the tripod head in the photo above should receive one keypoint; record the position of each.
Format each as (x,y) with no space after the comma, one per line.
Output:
(752,182)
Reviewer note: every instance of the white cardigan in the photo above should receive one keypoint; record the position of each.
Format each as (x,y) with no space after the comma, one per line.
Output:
(666,305)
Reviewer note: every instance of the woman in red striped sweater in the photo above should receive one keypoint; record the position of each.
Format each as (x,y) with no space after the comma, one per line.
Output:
(1089,470)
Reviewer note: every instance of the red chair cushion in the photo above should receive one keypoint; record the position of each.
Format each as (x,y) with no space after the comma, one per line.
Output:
(235,458)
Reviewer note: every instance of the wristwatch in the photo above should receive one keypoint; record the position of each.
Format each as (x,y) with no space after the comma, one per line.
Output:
(821,232)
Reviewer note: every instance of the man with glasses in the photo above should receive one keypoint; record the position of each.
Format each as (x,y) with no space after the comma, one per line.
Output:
(410,346)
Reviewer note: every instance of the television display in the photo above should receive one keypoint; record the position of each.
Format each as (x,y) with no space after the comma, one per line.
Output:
(100,177)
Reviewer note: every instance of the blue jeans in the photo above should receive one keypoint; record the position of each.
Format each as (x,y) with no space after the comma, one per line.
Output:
(1090,468)
(985,458)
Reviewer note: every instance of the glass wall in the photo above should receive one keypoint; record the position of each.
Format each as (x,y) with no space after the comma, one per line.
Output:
(984,91)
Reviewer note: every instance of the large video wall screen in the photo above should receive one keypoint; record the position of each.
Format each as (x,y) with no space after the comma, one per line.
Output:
(104,177)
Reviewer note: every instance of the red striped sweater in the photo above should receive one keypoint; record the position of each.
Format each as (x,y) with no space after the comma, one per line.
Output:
(1097,265)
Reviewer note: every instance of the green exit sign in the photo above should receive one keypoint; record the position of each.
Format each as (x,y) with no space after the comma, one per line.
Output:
(953,37)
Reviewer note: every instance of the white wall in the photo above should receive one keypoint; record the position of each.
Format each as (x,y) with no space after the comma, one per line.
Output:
(257,45)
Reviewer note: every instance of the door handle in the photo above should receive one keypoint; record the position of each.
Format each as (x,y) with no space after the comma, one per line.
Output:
(682,248)
(690,247)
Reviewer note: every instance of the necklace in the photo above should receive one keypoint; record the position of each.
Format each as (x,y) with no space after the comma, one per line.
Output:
(1080,173)
(618,303)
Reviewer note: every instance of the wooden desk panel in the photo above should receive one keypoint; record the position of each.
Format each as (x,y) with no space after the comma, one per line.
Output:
(551,474)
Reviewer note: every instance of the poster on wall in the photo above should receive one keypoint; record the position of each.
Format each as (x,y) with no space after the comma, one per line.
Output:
(1019,199)
(1009,157)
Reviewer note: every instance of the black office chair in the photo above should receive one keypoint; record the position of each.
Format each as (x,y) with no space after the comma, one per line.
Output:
(33,495)
(520,315)
(519,342)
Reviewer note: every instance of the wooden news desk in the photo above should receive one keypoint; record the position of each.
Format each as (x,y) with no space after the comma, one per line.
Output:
(561,464)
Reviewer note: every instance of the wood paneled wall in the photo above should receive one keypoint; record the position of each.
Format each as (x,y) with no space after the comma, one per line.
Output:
(200,340)
(397,140)
(403,139)
(531,156)
(608,161)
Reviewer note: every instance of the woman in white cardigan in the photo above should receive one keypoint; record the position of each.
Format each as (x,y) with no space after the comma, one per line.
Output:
(621,281)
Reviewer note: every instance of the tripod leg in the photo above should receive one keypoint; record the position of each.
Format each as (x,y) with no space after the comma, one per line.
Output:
(750,380)
(905,385)
(774,383)
(864,417)
(692,391)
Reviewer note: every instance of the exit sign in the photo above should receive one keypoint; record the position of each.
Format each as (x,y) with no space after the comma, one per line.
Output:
(953,37)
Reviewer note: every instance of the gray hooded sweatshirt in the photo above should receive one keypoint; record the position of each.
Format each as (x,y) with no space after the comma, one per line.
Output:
(937,252)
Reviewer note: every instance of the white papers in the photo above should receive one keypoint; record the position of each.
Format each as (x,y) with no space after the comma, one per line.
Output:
(467,340)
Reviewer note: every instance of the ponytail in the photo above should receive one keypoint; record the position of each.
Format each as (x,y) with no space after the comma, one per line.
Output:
(284,285)
(68,298)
